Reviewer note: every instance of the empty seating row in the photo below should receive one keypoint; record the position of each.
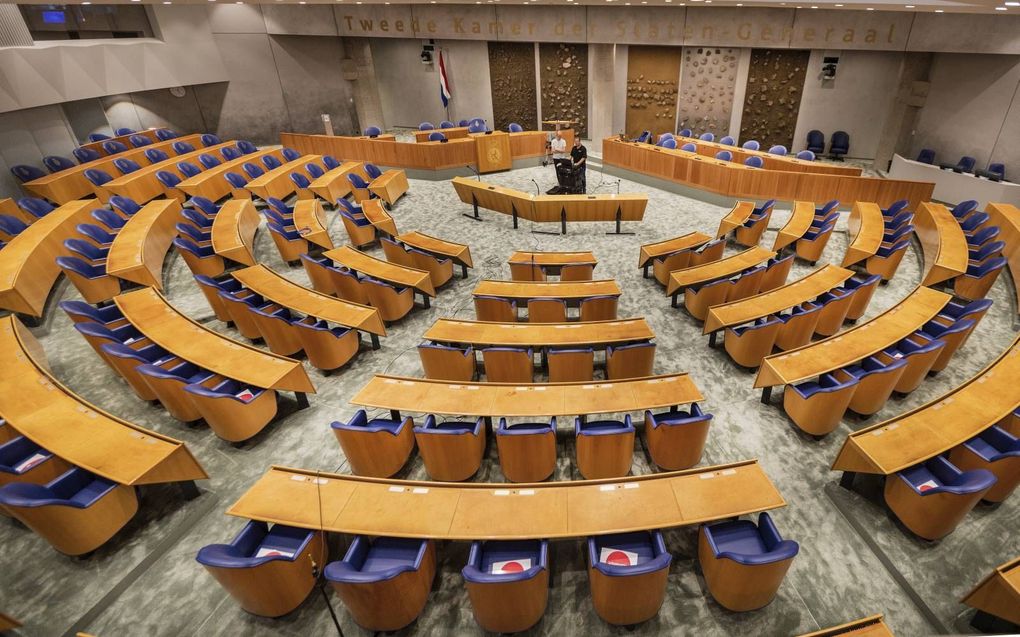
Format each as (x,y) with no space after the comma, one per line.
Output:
(388,186)
(501,300)
(732,286)
(364,279)
(810,245)
(678,252)
(724,268)
(365,223)
(746,222)
(278,180)
(539,266)
(214,181)
(984,252)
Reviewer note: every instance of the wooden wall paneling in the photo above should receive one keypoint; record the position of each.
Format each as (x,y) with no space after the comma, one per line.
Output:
(653,77)
(775,84)
(512,74)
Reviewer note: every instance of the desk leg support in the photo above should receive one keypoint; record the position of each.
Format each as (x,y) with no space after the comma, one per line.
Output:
(189,489)
(513,213)
(375,341)
(619,218)
(563,221)
(847,480)
(644,271)
(766,395)
(711,338)
(989,623)
(474,203)
(426,301)
(302,399)
(675,301)
(463,270)
(395,414)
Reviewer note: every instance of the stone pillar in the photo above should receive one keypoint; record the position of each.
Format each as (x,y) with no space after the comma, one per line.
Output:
(13,30)
(601,71)
(367,103)
(898,130)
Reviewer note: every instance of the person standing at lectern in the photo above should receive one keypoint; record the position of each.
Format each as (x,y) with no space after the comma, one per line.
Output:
(559,148)
(579,157)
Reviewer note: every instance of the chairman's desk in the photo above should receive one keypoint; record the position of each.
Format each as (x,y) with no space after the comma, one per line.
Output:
(743,182)
(774,301)
(771,162)
(68,185)
(28,267)
(569,291)
(139,248)
(49,414)
(399,275)
(479,511)
(212,183)
(802,215)
(954,187)
(273,286)
(334,184)
(1007,217)
(149,133)
(873,626)
(715,270)
(277,182)
(161,323)
(233,231)
(735,218)
(942,241)
(650,251)
(938,426)
(852,345)
(310,222)
(867,227)
(998,593)
(142,185)
(459,252)
(589,333)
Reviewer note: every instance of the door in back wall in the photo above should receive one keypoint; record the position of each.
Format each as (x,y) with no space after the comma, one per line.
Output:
(653,73)
(775,83)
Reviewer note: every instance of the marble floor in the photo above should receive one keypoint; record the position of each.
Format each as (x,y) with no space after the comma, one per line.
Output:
(854,559)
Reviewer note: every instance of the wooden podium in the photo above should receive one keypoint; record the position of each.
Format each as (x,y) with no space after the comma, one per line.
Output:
(492,152)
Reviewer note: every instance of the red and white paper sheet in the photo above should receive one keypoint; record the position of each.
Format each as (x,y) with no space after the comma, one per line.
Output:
(618,557)
(927,486)
(29,462)
(267,552)
(511,566)
(246,395)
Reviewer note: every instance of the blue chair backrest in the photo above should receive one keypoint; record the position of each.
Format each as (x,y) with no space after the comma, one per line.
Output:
(246,147)
(446,124)
(290,154)
(436,136)
(11,225)
(514,127)
(35,206)
(165,134)
(462,123)
(669,143)
(188,169)
(751,145)
(724,155)
(235,180)
(120,132)
(208,139)
(155,155)
(97,137)
(124,204)
(126,166)
(966,163)
(778,149)
(85,155)
(425,126)
(707,137)
(229,153)
(76,265)
(167,178)
(205,205)
(926,156)
(84,248)
(372,131)
(997,169)
(373,171)
(689,147)
(139,140)
(476,128)
(356,180)
(840,142)
(252,170)
(271,162)
(56,163)
(686,132)
(330,162)
(208,160)
(193,233)
(26,173)
(112,147)
(182,148)
(729,141)
(300,180)
(314,170)
(815,139)
(109,218)
(94,232)
(97,177)
(754,161)
(806,155)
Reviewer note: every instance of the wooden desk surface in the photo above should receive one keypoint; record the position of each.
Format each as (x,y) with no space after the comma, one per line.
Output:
(480,511)
(772,162)
(685,242)
(999,592)
(940,425)
(549,208)
(873,626)
(383,270)
(28,268)
(782,298)
(721,269)
(595,333)
(164,325)
(799,223)
(524,290)
(333,184)
(459,252)
(390,185)
(142,185)
(417,395)
(38,406)
(310,222)
(211,182)
(943,242)
(233,231)
(553,259)
(735,218)
(138,250)
(493,197)
(867,227)
(277,182)
(274,286)
(1007,217)
(855,344)
(378,217)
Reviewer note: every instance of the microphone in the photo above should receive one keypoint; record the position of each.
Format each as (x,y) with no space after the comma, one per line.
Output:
(472,169)
(538,190)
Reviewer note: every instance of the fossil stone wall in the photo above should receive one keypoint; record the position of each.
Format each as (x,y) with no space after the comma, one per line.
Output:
(653,73)
(775,83)
(706,89)
(565,83)
(512,82)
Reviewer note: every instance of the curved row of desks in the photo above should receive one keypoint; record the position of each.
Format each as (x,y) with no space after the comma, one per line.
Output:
(148,133)
(801,216)
(998,594)
(650,251)
(478,511)
(1007,217)
(743,182)
(867,227)
(942,241)
(142,185)
(715,270)
(39,407)
(400,275)
(459,252)
(333,184)
(139,248)
(787,163)
(212,184)
(310,222)
(589,333)
(277,182)
(566,290)
(233,231)
(735,218)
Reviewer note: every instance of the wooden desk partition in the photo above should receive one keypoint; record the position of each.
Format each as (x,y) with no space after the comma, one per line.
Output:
(378,217)
(590,333)
(424,396)
(479,511)
(233,231)
(8,623)
(567,290)
(938,426)
(800,222)
(457,132)
(28,268)
(857,343)
(212,183)
(459,252)
(165,326)
(873,626)
(310,222)
(280,290)
(688,241)
(942,241)
(49,414)
(334,184)
(492,152)
(383,270)
(774,301)
(140,247)
(389,186)
(715,270)
(788,163)
(735,218)
(867,227)
(142,185)
(998,593)
(1007,217)
(552,259)
(277,182)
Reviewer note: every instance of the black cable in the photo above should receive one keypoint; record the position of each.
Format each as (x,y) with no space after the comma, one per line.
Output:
(317,571)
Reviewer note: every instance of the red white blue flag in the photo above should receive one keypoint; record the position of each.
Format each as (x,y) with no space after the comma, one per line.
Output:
(444,84)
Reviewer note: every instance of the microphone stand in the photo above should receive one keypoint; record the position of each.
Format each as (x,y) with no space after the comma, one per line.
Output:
(472,169)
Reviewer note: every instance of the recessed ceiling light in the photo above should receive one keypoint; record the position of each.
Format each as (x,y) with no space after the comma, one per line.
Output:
(814,7)
(871,8)
(167,2)
(939,11)
(838,5)
(86,3)
(740,4)
(908,6)
(1011,3)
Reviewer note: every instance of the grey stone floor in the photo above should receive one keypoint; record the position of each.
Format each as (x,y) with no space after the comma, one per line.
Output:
(146,581)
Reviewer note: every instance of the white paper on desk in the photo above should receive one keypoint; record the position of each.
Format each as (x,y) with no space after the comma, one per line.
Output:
(927,486)
(267,552)
(246,395)
(29,462)
(617,557)
(511,566)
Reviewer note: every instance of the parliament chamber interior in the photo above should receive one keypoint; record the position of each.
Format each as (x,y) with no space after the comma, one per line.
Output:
(550,317)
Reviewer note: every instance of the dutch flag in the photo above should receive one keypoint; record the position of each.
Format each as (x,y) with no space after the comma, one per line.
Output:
(444,83)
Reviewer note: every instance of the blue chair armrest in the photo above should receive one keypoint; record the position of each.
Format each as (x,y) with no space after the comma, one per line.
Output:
(475,576)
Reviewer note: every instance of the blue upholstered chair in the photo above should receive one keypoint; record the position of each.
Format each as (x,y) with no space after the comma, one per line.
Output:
(27,173)
(81,312)
(979,278)
(877,377)
(728,140)
(314,170)
(198,217)
(627,573)
(357,183)
(990,249)
(955,311)
(817,407)
(124,205)
(97,137)
(527,451)
(97,335)
(689,147)
(751,145)
(644,138)
(508,364)
(810,246)
(778,149)
(973,222)
(21,460)
(165,134)
(200,259)
(724,155)
(300,181)
(631,360)
(892,236)
(188,169)
(514,127)
(271,162)
(816,142)
(252,170)
(744,563)
(508,583)
(954,333)
(208,139)
(200,237)
(125,360)
(476,128)
(101,237)
(707,137)
(56,163)
(211,288)
(747,345)
(267,571)
(965,165)
(237,182)
(436,136)
(182,148)
(686,132)
(446,124)
(604,447)
(328,348)
(274,322)
(167,383)
(378,447)
(85,155)
(289,241)
(933,497)
(112,147)
(676,438)
(919,352)
(230,153)
(447,362)
(806,155)
(246,147)
(982,236)
(426,126)
(120,132)
(926,156)
(839,145)
(290,154)
(451,450)
(139,140)
(235,412)
(168,179)
(372,171)
(664,137)
(895,208)
(86,250)
(373,131)
(384,582)
(204,206)
(330,162)
(996,451)
(995,171)
(754,161)
(155,155)
(108,218)
(76,513)
(11,227)
(209,161)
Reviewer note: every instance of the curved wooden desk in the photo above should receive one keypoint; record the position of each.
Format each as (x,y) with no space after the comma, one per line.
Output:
(68,185)
(854,344)
(164,325)
(650,251)
(800,222)
(142,185)
(378,217)
(389,186)
(715,270)
(334,184)
(459,252)
(39,407)
(1007,217)
(148,133)
(867,227)
(998,593)
(138,250)
(277,182)
(233,231)
(10,208)
(418,395)
(774,301)
(273,286)
(940,425)
(942,241)
(383,270)
(595,333)
(873,626)
(480,511)
(28,268)
(788,163)
(310,222)
(735,218)
(457,132)
(552,259)
(567,290)
(211,182)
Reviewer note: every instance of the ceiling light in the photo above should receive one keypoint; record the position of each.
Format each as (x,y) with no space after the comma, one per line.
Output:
(838,5)
(871,8)
(908,6)
(1001,9)
(814,7)
(939,11)
(1011,3)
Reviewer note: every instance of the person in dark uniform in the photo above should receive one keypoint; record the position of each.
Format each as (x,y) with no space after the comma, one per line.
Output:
(579,157)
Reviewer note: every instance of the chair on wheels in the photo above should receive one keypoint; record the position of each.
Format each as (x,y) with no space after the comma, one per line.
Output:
(452,451)
(527,451)
(627,573)
(933,497)
(816,142)
(378,447)
(839,145)
(508,583)
(676,439)
(604,447)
